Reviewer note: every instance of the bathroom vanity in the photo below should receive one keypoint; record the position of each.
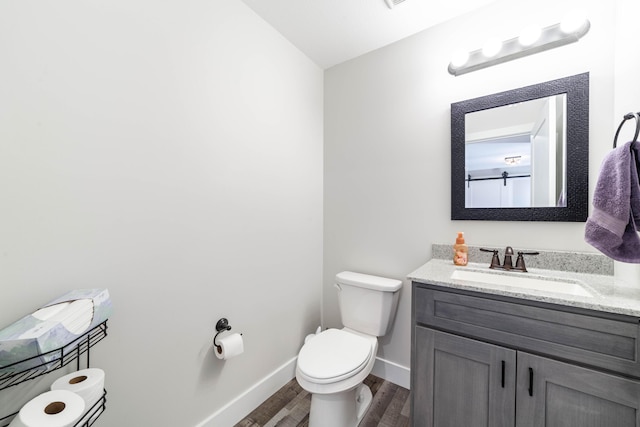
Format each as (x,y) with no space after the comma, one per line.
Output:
(495,355)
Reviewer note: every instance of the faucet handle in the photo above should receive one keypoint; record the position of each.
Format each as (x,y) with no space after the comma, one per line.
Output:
(495,260)
(520,261)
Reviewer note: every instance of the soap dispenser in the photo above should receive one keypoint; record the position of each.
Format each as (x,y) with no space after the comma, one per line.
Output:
(460,250)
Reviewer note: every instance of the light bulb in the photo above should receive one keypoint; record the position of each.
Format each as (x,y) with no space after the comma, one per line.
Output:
(530,35)
(459,58)
(492,47)
(573,21)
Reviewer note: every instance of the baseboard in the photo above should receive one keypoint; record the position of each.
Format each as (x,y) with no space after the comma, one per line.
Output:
(391,371)
(241,406)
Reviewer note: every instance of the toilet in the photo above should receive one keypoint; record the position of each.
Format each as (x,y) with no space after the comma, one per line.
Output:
(333,364)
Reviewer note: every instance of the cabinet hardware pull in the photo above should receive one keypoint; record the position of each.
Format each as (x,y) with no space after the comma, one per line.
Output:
(530,381)
(502,381)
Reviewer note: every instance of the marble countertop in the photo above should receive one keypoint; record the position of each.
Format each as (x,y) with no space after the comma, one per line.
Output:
(609,294)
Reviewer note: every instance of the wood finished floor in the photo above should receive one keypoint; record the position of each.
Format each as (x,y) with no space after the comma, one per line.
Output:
(289,407)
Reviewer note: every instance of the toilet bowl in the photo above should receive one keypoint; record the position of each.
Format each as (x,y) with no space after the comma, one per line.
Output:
(333,364)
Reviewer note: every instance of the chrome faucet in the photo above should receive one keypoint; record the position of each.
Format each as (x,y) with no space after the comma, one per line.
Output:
(508,262)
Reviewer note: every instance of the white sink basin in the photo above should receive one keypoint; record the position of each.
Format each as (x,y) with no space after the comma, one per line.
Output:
(515,280)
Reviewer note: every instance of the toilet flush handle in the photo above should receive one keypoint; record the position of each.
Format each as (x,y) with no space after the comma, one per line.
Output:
(335,285)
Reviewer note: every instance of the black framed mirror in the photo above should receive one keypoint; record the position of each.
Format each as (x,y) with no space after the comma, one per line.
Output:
(523,154)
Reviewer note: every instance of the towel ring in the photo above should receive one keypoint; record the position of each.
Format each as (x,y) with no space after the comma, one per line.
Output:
(628,117)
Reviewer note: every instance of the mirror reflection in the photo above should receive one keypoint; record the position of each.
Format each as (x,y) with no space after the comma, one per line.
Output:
(496,143)
(515,155)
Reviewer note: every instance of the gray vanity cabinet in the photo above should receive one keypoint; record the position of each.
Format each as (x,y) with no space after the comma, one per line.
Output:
(480,360)
(460,382)
(564,395)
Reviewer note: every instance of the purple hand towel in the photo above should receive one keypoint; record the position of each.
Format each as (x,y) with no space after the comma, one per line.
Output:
(614,223)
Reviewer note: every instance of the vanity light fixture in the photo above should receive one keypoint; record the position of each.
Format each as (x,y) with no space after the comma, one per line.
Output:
(530,35)
(513,160)
(491,48)
(392,3)
(532,40)
(573,21)
(459,58)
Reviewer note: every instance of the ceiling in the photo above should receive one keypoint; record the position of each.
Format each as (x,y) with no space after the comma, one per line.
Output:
(333,31)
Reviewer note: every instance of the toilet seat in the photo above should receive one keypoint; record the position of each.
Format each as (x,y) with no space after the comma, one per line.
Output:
(333,356)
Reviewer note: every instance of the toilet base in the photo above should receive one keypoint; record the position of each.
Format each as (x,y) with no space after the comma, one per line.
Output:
(344,409)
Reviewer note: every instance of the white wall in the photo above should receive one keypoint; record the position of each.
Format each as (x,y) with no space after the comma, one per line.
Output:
(387,145)
(170,151)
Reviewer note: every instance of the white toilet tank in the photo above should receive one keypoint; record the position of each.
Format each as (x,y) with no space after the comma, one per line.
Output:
(367,303)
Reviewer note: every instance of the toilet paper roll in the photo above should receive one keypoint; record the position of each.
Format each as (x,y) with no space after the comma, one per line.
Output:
(229,346)
(56,408)
(86,383)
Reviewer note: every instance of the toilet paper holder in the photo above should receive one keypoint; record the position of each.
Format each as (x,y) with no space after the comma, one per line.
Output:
(221,326)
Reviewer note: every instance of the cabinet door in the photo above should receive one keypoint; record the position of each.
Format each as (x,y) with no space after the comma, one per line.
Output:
(556,394)
(462,382)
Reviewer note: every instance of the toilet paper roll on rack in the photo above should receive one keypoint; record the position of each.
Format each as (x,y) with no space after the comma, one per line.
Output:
(229,345)
(56,408)
(88,384)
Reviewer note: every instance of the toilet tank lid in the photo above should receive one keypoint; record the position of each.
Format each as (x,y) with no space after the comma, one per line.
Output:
(367,281)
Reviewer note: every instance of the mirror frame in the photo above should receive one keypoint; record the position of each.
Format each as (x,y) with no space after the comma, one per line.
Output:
(577,140)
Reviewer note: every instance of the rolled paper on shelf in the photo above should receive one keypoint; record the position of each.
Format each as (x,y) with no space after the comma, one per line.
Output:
(56,408)
(86,383)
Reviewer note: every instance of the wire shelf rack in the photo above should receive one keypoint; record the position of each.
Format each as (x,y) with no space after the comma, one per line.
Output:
(42,364)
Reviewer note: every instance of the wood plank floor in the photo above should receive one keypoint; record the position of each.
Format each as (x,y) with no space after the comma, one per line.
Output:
(289,407)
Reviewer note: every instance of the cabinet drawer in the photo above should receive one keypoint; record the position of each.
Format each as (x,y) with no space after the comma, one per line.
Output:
(600,342)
